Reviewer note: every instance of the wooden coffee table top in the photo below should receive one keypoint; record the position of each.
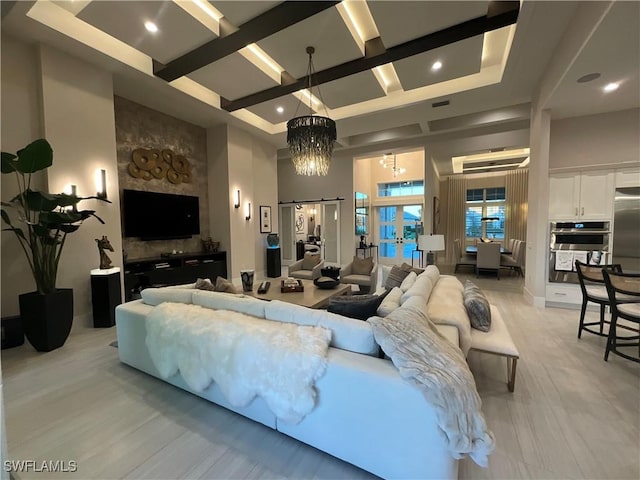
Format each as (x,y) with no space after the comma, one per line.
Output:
(312,296)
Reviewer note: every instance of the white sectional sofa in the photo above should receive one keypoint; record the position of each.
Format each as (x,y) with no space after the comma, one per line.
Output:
(365,413)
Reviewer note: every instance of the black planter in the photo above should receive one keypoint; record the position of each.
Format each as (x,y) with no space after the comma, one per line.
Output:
(47,318)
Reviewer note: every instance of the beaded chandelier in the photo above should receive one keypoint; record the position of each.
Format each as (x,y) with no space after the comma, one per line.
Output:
(310,138)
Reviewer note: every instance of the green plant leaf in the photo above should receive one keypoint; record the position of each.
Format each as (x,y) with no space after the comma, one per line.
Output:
(40,201)
(69,228)
(90,213)
(5,217)
(15,230)
(66,200)
(8,162)
(55,219)
(36,156)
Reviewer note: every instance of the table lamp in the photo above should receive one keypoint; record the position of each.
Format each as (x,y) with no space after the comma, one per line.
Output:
(431,243)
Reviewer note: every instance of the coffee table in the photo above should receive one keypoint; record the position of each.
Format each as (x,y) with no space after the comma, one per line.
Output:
(312,296)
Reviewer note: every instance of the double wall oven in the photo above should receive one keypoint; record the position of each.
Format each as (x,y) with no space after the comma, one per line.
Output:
(571,241)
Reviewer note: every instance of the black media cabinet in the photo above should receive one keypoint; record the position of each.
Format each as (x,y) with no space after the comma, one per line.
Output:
(172,270)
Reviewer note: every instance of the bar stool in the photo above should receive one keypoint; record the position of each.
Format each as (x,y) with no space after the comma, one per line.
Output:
(624,297)
(588,275)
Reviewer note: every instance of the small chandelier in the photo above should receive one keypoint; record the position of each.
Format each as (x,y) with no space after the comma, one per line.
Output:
(310,138)
(388,162)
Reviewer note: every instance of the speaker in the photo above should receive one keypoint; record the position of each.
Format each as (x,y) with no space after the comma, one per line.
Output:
(105,297)
(274,269)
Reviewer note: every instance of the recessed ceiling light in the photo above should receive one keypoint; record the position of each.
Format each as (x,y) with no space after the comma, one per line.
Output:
(589,77)
(436,65)
(151,27)
(610,87)
(279,109)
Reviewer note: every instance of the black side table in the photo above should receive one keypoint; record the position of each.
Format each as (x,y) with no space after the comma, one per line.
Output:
(367,249)
(332,272)
(105,296)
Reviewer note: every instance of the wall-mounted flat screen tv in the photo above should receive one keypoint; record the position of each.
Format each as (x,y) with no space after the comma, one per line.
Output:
(159,216)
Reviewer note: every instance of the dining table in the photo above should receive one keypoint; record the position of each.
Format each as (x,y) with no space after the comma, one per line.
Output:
(473,250)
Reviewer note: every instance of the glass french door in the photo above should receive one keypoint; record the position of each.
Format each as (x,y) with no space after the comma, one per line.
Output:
(330,232)
(328,222)
(397,232)
(287,234)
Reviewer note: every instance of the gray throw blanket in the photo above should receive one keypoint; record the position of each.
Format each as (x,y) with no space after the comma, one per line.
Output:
(438,368)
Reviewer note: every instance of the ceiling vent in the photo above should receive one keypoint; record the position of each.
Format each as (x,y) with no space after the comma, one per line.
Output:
(443,103)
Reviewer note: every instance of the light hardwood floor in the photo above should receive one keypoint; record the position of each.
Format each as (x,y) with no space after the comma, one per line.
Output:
(572,414)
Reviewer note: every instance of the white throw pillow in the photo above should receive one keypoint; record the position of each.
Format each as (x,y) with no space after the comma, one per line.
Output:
(385,269)
(432,272)
(228,301)
(390,302)
(408,281)
(346,333)
(421,287)
(156,296)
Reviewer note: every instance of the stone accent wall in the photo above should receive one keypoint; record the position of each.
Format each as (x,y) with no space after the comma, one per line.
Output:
(140,127)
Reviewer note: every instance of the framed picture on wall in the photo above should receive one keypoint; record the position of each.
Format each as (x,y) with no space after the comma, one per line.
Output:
(265,219)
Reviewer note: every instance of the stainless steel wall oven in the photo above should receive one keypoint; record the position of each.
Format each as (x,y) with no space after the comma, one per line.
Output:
(571,241)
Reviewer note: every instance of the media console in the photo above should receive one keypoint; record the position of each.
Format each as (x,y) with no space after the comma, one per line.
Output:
(172,270)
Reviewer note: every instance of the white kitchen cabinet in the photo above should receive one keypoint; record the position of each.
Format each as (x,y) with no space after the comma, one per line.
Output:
(581,196)
(628,177)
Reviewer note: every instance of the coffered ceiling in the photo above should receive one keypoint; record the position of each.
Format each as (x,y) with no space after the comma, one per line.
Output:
(485,81)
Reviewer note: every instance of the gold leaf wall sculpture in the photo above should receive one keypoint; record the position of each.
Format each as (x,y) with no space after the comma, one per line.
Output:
(150,163)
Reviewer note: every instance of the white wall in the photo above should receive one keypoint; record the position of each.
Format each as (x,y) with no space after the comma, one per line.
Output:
(237,160)
(265,191)
(538,208)
(21,124)
(609,140)
(78,119)
(413,162)
(220,190)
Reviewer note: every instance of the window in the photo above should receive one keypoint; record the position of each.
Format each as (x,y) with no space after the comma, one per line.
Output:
(400,189)
(485,213)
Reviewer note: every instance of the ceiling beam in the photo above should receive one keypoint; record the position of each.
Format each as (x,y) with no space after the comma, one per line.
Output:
(506,14)
(278,18)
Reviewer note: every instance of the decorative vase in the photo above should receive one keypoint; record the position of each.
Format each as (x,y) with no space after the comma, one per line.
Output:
(273,240)
(247,280)
(47,318)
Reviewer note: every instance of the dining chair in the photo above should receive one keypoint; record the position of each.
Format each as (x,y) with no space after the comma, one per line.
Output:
(488,258)
(594,290)
(623,290)
(515,261)
(462,260)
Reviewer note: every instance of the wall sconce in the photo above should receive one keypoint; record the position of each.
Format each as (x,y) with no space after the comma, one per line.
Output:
(101,184)
(236,198)
(71,190)
(248,214)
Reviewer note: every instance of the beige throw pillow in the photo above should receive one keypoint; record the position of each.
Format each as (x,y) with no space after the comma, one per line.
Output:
(362,266)
(310,260)
(224,285)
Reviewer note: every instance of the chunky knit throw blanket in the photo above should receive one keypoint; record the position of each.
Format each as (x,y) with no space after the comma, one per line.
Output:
(438,368)
(245,356)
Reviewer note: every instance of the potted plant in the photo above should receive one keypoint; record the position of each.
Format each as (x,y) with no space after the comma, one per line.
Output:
(45,220)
